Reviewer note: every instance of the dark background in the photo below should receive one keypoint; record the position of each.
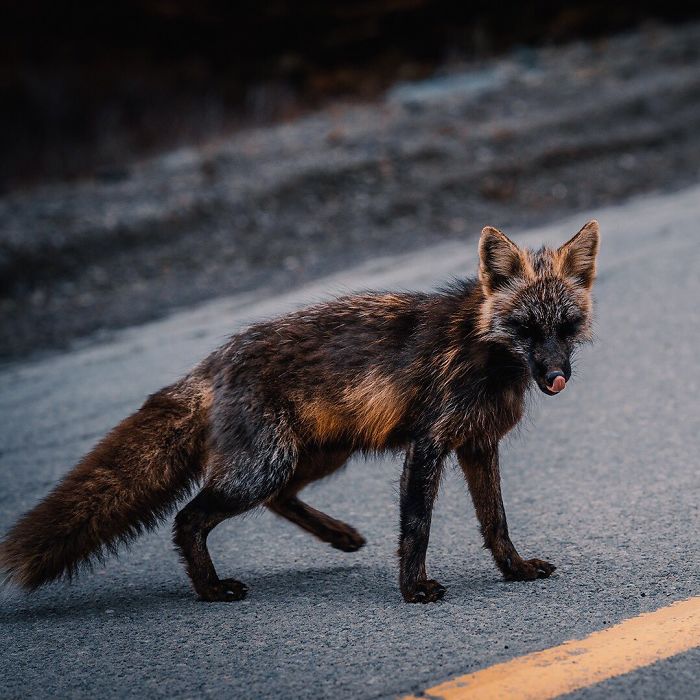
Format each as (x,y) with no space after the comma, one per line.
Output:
(86,86)
(159,154)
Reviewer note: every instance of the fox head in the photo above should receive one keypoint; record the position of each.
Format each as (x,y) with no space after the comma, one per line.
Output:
(538,303)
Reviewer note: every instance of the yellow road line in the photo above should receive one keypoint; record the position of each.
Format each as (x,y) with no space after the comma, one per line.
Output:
(576,664)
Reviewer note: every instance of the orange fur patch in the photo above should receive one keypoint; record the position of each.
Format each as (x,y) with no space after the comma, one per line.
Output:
(447,359)
(528,271)
(377,407)
(324,420)
(365,412)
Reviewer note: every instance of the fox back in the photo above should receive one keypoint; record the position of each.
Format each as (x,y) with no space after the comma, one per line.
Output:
(372,371)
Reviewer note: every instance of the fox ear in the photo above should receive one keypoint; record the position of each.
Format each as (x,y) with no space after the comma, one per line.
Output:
(577,258)
(500,260)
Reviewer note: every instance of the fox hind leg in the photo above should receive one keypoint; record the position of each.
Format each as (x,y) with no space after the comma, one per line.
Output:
(234,485)
(312,467)
(337,533)
(192,527)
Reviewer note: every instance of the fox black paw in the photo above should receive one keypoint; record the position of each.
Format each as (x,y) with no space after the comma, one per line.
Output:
(527,569)
(427,591)
(226,590)
(349,540)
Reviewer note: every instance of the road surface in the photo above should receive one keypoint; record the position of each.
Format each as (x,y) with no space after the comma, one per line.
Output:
(602,480)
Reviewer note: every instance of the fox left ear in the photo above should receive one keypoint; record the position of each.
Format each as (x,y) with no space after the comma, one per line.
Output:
(500,260)
(576,259)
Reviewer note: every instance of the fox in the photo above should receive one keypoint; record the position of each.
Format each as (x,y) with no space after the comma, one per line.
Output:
(287,401)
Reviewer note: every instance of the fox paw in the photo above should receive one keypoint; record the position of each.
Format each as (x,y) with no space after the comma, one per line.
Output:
(348,540)
(527,569)
(225,590)
(426,591)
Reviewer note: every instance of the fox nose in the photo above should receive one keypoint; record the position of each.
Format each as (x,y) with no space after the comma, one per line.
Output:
(556,381)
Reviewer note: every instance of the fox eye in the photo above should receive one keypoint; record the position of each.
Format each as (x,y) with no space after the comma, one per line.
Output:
(569,327)
(526,331)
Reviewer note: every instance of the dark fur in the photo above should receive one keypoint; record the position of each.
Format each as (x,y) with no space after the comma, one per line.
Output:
(287,402)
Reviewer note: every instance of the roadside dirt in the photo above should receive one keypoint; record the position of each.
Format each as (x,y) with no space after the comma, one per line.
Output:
(511,142)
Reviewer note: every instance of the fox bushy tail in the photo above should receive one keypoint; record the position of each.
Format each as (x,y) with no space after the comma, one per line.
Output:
(125,485)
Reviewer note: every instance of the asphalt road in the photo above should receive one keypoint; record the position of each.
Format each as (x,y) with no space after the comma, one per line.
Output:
(602,480)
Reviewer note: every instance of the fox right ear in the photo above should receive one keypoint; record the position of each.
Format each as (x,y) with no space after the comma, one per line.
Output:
(500,260)
(577,257)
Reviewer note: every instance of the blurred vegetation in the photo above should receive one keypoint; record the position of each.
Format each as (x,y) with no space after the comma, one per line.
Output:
(86,86)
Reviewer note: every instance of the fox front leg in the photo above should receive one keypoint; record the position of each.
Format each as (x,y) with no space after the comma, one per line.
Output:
(480,467)
(419,485)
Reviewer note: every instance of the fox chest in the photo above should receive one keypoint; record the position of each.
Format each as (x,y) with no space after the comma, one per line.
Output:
(487,417)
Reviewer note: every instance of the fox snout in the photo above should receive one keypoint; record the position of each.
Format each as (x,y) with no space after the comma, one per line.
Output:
(551,373)
(555,381)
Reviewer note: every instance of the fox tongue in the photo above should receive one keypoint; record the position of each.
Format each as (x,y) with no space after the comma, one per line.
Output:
(558,384)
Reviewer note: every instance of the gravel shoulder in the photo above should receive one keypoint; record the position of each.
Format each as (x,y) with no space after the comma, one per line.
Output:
(513,142)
